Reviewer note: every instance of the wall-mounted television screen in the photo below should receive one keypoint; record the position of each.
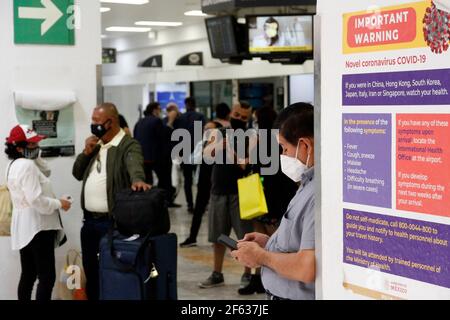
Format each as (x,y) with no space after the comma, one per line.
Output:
(280,34)
(222,36)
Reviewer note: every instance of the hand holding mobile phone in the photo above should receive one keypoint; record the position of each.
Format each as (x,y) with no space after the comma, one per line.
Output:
(68,198)
(228,242)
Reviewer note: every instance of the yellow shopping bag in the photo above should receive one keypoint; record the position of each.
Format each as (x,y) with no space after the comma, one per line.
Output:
(252,201)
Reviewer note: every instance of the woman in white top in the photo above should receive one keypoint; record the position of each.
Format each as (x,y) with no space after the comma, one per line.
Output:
(36,227)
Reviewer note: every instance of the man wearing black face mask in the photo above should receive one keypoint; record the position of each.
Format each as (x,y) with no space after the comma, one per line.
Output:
(238,123)
(111,161)
(224,205)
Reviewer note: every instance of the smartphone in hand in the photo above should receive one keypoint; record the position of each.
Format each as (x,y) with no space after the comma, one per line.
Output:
(228,242)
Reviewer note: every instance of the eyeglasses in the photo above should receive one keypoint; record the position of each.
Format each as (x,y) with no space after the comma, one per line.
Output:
(99,164)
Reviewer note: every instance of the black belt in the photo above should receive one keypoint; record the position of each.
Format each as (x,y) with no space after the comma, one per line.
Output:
(96,215)
(271,296)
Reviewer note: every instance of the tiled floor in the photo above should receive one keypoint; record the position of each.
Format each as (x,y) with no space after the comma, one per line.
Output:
(195,264)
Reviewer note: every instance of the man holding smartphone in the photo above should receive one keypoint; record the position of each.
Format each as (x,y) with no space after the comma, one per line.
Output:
(224,213)
(288,257)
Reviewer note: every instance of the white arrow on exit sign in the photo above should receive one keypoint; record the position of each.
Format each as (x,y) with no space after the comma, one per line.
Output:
(49,13)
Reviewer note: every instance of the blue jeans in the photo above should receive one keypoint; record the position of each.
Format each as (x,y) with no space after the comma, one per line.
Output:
(92,232)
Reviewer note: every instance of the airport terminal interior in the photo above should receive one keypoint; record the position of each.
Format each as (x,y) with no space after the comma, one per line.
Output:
(96,94)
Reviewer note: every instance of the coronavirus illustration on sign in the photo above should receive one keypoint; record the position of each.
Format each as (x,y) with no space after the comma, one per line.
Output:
(437,26)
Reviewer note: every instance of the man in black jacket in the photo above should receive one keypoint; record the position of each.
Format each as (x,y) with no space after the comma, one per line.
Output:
(149,132)
(155,139)
(187,121)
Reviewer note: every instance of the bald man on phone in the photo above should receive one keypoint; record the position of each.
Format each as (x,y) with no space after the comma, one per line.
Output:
(111,161)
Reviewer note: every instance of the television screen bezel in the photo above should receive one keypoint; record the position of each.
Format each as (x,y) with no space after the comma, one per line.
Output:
(234,24)
(308,54)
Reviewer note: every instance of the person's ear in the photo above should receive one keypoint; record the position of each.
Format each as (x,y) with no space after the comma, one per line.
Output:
(302,145)
(308,144)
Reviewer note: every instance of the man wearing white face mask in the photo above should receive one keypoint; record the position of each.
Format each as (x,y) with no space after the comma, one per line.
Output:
(288,257)
(292,166)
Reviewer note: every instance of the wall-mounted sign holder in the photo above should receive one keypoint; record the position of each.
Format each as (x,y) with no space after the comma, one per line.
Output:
(152,62)
(49,113)
(191,59)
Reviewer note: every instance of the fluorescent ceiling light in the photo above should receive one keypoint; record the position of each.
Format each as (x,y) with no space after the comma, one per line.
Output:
(104,36)
(195,13)
(126,1)
(158,24)
(127,29)
(104,9)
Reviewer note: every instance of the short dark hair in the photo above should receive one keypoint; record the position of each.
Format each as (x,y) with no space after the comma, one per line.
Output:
(11,150)
(300,125)
(245,105)
(152,106)
(272,20)
(266,117)
(291,111)
(222,111)
(190,103)
(217,124)
(123,122)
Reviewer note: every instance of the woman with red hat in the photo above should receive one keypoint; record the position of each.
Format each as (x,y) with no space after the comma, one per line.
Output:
(36,227)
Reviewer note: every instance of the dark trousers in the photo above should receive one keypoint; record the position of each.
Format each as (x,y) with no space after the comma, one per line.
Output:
(202,200)
(165,180)
(92,232)
(164,173)
(188,173)
(149,167)
(38,262)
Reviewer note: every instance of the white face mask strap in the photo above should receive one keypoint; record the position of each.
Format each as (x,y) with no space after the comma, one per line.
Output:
(296,151)
(307,159)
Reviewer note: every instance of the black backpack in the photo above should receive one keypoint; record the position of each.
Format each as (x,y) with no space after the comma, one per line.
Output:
(144,213)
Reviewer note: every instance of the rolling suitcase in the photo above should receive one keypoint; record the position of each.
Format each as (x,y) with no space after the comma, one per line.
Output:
(165,257)
(138,269)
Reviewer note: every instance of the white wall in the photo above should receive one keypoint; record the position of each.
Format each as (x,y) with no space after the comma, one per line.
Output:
(331,273)
(171,43)
(48,68)
(301,88)
(127,99)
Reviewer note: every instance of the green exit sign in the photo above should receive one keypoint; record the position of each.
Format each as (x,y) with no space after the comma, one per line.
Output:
(44,22)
